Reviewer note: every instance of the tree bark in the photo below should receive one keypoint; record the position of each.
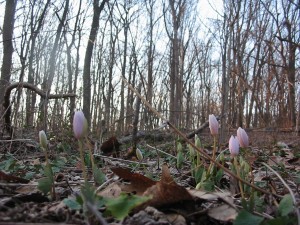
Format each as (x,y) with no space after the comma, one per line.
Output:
(88,59)
(31,96)
(8,28)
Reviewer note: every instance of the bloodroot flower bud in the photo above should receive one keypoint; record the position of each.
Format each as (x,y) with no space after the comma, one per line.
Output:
(234,147)
(213,125)
(43,139)
(139,154)
(80,126)
(242,137)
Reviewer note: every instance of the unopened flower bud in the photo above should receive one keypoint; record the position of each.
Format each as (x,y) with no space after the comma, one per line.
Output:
(197,141)
(213,125)
(80,125)
(139,154)
(234,147)
(43,139)
(242,137)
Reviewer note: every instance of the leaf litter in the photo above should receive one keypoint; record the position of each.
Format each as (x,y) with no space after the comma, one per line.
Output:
(171,196)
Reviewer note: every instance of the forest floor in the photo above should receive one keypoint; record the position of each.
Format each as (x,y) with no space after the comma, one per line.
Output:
(160,189)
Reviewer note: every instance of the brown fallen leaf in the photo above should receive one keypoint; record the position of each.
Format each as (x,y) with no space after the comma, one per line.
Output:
(166,191)
(224,213)
(138,182)
(111,146)
(111,191)
(11,178)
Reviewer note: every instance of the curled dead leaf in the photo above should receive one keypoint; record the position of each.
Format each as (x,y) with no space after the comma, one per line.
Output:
(166,191)
(138,182)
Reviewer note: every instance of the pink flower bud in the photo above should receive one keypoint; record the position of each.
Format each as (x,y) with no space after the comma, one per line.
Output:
(242,137)
(213,125)
(234,147)
(80,126)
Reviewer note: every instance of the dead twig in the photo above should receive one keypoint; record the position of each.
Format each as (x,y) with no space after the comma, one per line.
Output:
(288,188)
(204,154)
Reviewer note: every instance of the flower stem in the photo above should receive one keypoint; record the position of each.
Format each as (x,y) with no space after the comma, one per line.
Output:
(91,153)
(82,160)
(235,162)
(213,155)
(52,190)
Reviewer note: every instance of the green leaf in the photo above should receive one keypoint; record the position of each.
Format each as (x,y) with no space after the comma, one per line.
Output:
(297,179)
(60,161)
(9,164)
(121,206)
(246,218)
(72,203)
(49,173)
(208,185)
(198,174)
(286,205)
(286,220)
(180,159)
(88,192)
(99,176)
(44,185)
(29,175)
(219,176)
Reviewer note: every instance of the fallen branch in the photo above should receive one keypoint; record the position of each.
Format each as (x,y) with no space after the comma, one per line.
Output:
(7,104)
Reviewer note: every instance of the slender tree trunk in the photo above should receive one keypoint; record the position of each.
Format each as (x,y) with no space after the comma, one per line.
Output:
(31,96)
(52,65)
(88,58)
(122,107)
(8,28)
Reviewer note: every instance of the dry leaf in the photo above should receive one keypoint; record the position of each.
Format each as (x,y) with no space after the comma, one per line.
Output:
(111,191)
(211,196)
(31,188)
(110,146)
(138,182)
(11,178)
(166,191)
(223,213)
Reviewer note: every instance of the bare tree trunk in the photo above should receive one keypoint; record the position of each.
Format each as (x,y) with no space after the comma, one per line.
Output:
(8,28)
(149,93)
(225,78)
(31,96)
(88,59)
(175,78)
(71,87)
(124,61)
(108,117)
(291,73)
(52,64)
